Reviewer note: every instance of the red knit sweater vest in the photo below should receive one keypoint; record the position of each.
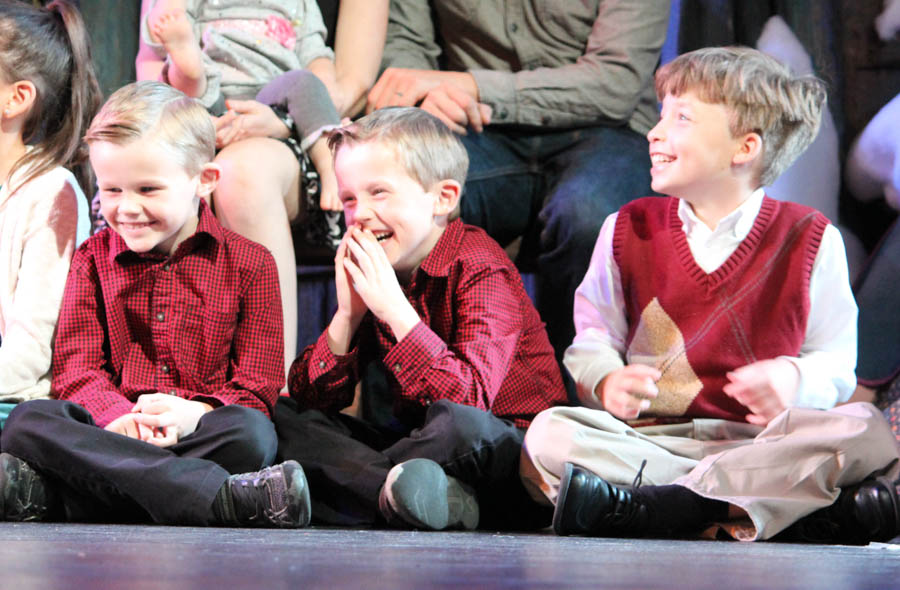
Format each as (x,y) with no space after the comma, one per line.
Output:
(694,326)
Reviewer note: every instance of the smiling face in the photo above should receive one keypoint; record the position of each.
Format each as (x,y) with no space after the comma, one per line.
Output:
(379,195)
(693,151)
(146,195)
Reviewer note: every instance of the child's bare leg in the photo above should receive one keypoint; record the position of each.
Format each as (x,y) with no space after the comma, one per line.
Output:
(170,27)
(257,197)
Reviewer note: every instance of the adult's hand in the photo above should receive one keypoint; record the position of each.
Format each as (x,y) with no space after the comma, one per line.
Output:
(456,108)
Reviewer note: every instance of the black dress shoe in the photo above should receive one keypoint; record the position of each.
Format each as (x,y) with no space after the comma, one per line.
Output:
(865,512)
(589,505)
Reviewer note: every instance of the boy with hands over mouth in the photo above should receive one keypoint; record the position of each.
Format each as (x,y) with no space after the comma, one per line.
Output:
(441,308)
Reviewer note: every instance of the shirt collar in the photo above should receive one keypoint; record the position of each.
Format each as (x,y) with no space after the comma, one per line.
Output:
(739,222)
(438,261)
(207,228)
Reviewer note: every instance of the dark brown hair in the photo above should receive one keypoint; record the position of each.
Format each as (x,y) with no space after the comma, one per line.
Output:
(49,47)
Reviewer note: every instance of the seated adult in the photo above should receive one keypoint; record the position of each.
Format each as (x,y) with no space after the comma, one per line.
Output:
(553,100)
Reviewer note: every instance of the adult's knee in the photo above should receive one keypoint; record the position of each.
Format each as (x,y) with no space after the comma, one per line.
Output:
(256,174)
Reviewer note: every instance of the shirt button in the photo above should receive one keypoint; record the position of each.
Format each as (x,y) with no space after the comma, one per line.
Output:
(321,364)
(160,316)
(172,392)
(167,266)
(397,367)
(164,368)
(513,28)
(428,401)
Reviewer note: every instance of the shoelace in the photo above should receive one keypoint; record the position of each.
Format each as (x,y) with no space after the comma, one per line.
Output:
(639,478)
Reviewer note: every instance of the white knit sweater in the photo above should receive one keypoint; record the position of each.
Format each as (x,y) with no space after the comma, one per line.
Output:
(41,222)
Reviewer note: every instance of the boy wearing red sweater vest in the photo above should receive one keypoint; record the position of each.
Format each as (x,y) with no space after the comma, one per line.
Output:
(716,332)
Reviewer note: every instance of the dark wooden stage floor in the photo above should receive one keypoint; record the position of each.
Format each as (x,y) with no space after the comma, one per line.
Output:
(136,557)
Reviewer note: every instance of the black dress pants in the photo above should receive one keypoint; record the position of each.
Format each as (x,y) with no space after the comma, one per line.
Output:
(102,476)
(346,461)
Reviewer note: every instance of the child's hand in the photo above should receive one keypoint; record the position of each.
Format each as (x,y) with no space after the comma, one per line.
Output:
(126,426)
(374,279)
(350,303)
(173,416)
(767,388)
(248,118)
(627,392)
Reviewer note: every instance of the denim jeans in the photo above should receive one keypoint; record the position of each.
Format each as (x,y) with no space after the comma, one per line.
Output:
(554,188)
(878,296)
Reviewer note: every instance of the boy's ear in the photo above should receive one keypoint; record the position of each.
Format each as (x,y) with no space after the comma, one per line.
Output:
(22,96)
(448,192)
(750,148)
(209,179)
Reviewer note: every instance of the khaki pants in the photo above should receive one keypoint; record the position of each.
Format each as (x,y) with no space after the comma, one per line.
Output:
(777,474)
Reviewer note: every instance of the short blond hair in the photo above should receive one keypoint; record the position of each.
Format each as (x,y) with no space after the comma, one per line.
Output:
(153,109)
(428,150)
(762,95)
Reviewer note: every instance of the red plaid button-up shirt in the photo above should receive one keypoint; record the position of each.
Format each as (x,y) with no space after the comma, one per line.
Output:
(480,341)
(204,324)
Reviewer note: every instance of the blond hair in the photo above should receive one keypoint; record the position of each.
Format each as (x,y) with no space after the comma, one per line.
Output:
(153,109)
(427,149)
(762,95)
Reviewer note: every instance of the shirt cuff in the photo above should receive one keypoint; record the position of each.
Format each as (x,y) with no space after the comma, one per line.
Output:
(409,358)
(817,388)
(498,91)
(323,361)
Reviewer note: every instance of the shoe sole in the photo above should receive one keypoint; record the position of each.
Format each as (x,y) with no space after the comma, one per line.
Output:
(423,496)
(298,491)
(558,526)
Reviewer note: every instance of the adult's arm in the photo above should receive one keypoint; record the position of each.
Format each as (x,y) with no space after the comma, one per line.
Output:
(358,45)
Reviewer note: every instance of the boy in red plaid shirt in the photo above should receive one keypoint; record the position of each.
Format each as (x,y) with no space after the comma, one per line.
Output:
(439,306)
(168,354)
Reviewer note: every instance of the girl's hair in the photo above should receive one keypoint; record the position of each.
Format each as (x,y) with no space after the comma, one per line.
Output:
(49,47)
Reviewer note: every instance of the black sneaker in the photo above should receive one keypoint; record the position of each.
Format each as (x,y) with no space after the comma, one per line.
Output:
(417,493)
(276,496)
(24,494)
(587,504)
(865,512)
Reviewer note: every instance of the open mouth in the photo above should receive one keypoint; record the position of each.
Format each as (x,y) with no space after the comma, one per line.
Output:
(661,159)
(130,226)
(382,236)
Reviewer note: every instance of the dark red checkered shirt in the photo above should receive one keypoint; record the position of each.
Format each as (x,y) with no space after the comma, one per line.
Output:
(203,324)
(480,341)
